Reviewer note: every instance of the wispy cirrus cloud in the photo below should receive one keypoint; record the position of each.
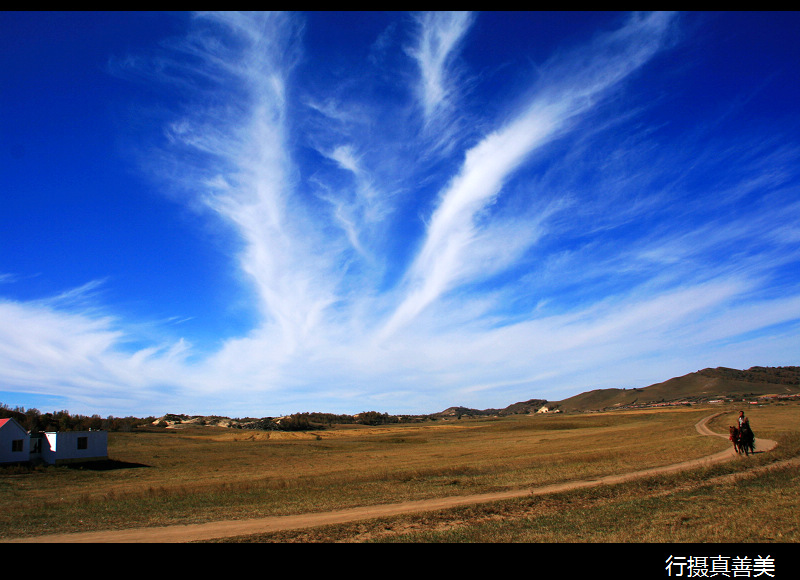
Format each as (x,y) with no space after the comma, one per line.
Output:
(437,40)
(68,346)
(453,235)
(559,239)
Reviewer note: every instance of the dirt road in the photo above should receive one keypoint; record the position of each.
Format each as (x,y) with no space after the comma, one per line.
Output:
(225,529)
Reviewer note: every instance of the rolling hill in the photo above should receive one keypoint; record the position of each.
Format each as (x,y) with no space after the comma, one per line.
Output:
(703,385)
(709,384)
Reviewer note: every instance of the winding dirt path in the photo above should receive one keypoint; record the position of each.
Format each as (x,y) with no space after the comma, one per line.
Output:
(212,530)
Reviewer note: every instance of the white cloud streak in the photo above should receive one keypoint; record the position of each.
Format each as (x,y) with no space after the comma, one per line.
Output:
(447,254)
(438,38)
(519,285)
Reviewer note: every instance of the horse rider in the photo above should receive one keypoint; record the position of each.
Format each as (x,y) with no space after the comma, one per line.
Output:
(743,420)
(744,428)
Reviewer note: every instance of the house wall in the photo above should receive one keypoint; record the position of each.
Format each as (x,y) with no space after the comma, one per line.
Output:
(9,432)
(73,446)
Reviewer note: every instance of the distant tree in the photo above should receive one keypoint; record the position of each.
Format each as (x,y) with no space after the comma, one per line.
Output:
(33,420)
(299,422)
(376,418)
(331,418)
(296,422)
(63,420)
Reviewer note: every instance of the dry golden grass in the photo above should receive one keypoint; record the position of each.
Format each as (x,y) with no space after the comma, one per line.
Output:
(754,500)
(205,474)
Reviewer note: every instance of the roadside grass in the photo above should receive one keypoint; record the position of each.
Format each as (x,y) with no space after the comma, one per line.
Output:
(749,500)
(762,509)
(203,474)
(755,499)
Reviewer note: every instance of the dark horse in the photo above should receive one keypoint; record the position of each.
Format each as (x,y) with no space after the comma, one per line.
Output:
(734,437)
(743,439)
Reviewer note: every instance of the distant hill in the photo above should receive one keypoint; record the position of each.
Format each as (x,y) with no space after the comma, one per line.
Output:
(525,407)
(522,408)
(465,412)
(703,385)
(720,383)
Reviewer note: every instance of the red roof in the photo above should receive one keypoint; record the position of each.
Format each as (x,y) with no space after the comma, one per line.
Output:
(4,421)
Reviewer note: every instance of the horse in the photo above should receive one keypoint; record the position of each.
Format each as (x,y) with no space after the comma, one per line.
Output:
(735,437)
(743,439)
(747,439)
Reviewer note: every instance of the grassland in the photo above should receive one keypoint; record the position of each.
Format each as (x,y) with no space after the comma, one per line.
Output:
(206,474)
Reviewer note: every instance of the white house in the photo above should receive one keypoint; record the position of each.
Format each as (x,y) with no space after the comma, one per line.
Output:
(14,442)
(58,447)
(53,447)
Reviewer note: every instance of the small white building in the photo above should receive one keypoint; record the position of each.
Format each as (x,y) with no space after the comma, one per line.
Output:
(59,447)
(53,447)
(14,442)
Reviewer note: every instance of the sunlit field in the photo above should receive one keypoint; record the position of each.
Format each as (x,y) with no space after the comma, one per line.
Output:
(201,474)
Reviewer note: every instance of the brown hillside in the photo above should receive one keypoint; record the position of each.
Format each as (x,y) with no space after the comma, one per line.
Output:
(703,385)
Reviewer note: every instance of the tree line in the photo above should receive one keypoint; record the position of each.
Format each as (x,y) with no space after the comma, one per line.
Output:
(34,420)
(314,421)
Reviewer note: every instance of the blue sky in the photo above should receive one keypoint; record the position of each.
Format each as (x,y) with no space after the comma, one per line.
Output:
(262,214)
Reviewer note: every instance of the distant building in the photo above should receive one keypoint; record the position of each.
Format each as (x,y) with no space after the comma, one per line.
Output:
(53,447)
(14,442)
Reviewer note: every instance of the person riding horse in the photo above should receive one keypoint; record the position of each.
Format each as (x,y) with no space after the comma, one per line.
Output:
(746,437)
